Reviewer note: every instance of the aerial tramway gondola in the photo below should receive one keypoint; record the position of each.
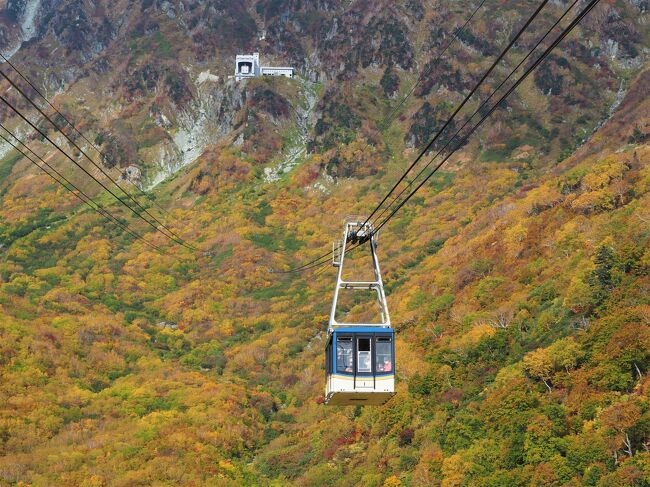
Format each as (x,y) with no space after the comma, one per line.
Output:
(359,357)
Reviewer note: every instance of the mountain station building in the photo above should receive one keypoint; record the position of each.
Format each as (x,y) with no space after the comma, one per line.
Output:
(248,66)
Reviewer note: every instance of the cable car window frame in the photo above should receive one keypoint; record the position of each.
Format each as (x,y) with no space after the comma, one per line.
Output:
(381,342)
(367,355)
(341,366)
(328,357)
(345,349)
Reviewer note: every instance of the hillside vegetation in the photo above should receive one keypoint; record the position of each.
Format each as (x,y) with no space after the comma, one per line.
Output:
(517,279)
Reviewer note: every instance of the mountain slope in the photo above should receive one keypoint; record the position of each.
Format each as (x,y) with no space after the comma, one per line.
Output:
(517,280)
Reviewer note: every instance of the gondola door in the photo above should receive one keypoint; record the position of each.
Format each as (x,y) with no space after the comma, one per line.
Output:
(364,376)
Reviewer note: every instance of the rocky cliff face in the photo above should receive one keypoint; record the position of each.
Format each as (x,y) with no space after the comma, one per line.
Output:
(146,63)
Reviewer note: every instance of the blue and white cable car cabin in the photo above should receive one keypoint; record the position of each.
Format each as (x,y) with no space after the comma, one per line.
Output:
(360,366)
(359,357)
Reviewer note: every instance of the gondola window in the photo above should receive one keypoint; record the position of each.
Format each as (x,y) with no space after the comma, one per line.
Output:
(364,360)
(383,355)
(344,354)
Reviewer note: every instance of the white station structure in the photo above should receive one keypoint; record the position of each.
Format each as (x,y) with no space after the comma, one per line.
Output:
(248,66)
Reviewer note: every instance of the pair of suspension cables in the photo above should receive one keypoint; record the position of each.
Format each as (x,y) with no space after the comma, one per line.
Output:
(121,195)
(376,219)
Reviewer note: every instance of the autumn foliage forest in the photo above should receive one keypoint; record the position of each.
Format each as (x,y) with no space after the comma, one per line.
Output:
(517,278)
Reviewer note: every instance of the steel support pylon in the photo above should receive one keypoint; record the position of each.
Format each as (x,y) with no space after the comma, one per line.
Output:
(356,233)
